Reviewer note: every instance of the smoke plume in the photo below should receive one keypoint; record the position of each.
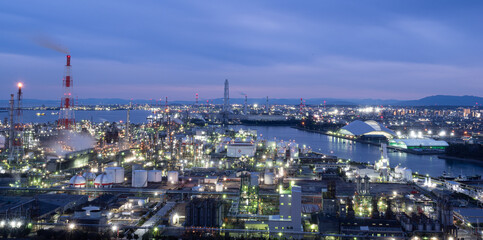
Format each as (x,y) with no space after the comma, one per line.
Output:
(71,142)
(50,43)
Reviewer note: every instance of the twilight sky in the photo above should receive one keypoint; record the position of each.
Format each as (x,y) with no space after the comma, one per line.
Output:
(404,49)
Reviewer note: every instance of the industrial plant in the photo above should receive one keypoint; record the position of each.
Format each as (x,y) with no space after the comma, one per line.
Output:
(193,171)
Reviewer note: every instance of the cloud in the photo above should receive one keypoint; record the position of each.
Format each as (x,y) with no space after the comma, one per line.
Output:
(287,49)
(325,77)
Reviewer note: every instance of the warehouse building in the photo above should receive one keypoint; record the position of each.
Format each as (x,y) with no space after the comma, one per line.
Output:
(418,143)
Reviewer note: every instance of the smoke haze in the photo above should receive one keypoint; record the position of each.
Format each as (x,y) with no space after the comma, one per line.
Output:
(70,142)
(48,42)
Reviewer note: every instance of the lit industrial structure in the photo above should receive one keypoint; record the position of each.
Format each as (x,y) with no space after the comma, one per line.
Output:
(172,176)
(368,128)
(66,114)
(419,143)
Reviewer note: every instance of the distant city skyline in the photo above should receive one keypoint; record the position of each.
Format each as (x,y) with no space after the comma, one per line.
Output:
(282,49)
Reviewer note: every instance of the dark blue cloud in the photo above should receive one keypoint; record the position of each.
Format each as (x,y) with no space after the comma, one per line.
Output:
(326,48)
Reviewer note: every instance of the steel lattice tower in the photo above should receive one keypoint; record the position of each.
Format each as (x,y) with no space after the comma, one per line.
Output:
(226,102)
(66,115)
(16,127)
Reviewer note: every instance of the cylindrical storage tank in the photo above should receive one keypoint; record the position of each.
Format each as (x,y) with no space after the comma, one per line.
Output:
(155,175)
(254,177)
(140,178)
(116,173)
(269,178)
(77,181)
(173,177)
(219,187)
(103,181)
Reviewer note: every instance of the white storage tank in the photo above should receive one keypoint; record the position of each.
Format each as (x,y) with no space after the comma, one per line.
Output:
(155,175)
(103,181)
(140,178)
(173,177)
(116,173)
(269,178)
(408,175)
(254,177)
(219,187)
(77,181)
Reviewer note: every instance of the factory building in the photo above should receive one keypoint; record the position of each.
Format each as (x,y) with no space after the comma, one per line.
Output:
(290,207)
(241,148)
(204,213)
(419,143)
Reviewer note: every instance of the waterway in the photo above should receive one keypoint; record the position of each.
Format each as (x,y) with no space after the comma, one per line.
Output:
(343,148)
(361,152)
(137,116)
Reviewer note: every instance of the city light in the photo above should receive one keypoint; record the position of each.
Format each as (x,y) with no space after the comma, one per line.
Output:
(278,168)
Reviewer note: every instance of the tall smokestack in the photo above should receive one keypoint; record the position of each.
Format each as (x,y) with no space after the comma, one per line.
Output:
(196,99)
(16,127)
(66,115)
(267,107)
(166,105)
(19,103)
(226,99)
(226,102)
(18,134)
(246,105)
(128,124)
(301,106)
(11,135)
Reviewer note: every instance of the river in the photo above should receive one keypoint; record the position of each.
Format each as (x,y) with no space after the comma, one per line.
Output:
(137,116)
(362,152)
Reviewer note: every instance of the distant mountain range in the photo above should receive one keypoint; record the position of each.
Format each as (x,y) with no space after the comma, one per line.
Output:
(438,100)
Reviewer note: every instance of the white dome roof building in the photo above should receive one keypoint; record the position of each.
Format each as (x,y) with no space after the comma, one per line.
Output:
(77,181)
(368,128)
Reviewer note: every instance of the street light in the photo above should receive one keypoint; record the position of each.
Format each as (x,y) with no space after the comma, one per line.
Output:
(71,226)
